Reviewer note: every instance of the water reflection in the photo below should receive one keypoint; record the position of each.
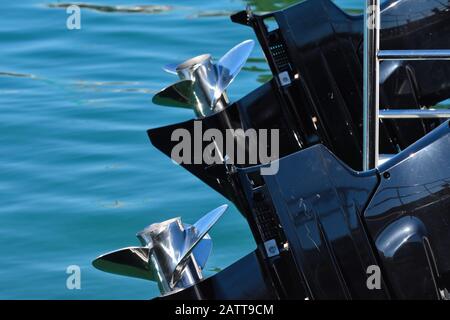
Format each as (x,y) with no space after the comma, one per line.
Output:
(270,5)
(148,9)
(259,6)
(211,14)
(259,65)
(16,75)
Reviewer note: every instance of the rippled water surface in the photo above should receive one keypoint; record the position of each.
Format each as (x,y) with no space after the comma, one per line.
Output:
(78,176)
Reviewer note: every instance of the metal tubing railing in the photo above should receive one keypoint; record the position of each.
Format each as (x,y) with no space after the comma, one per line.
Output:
(414,55)
(414,114)
(372,57)
(371,84)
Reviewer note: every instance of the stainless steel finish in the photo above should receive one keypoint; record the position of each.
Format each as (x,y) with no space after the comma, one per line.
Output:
(209,81)
(195,90)
(134,261)
(172,253)
(130,262)
(371,84)
(180,95)
(414,55)
(230,65)
(202,72)
(193,236)
(202,250)
(372,57)
(414,114)
(167,240)
(186,69)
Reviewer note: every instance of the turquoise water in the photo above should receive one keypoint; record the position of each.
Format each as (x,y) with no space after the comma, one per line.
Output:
(78,176)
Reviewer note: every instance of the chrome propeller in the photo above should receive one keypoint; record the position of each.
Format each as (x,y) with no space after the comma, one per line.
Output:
(194,235)
(180,94)
(206,93)
(172,253)
(130,262)
(231,64)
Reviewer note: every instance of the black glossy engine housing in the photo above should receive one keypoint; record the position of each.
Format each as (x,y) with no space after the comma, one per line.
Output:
(329,221)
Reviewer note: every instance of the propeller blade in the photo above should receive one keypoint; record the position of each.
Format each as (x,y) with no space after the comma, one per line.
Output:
(133,261)
(204,224)
(180,95)
(194,235)
(130,262)
(171,68)
(202,251)
(166,253)
(231,64)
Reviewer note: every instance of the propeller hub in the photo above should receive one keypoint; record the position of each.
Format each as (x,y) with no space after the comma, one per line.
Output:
(172,253)
(202,71)
(168,240)
(203,83)
(186,69)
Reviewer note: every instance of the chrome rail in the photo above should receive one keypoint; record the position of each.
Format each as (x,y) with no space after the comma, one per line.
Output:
(371,84)
(371,95)
(414,114)
(413,55)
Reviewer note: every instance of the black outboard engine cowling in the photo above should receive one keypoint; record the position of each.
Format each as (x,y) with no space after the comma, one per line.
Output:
(321,224)
(315,209)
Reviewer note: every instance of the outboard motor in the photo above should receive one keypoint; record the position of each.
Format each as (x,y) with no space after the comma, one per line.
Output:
(320,223)
(172,253)
(203,84)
